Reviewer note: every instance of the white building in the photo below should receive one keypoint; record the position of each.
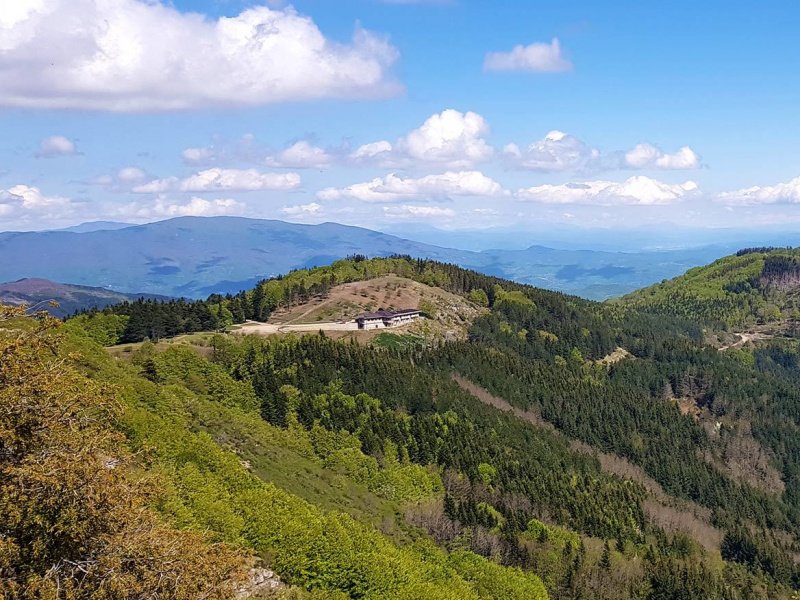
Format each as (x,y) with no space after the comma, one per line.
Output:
(387,318)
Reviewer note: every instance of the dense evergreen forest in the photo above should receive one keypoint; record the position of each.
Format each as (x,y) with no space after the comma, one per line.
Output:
(639,462)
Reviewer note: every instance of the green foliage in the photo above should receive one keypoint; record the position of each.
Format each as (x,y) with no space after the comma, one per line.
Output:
(211,491)
(394,340)
(487,474)
(491,580)
(735,291)
(513,297)
(180,364)
(74,516)
(432,421)
(557,536)
(206,488)
(105,329)
(387,424)
(479,297)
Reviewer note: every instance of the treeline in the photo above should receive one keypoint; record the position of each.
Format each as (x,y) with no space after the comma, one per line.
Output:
(757,250)
(155,319)
(299,286)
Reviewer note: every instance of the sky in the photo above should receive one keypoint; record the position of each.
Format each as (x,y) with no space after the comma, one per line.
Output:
(452,114)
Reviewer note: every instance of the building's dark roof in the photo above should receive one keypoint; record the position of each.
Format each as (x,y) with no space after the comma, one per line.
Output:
(387,314)
(405,311)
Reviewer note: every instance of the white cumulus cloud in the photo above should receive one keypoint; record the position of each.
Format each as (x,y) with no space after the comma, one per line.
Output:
(301,155)
(647,156)
(131,174)
(781,193)
(539,57)
(144,55)
(55,145)
(25,197)
(199,156)
(379,152)
(195,207)
(29,207)
(407,211)
(394,188)
(311,208)
(557,151)
(637,190)
(122,180)
(240,180)
(451,138)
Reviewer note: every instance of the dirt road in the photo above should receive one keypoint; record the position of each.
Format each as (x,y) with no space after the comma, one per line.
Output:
(744,338)
(254,327)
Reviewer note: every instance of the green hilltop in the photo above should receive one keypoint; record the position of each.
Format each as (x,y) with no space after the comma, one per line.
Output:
(754,286)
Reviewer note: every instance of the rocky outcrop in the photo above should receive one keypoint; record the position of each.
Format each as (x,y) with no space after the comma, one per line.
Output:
(262,582)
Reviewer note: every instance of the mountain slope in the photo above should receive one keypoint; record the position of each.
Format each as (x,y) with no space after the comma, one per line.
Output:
(754,286)
(193,256)
(175,488)
(669,472)
(70,298)
(594,274)
(96,226)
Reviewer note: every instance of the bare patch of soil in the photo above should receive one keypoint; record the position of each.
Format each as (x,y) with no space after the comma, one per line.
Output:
(449,315)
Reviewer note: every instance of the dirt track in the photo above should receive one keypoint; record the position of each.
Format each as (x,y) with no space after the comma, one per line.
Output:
(254,327)
(744,338)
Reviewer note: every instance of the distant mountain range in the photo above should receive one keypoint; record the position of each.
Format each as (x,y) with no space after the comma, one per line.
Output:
(96,226)
(37,293)
(196,256)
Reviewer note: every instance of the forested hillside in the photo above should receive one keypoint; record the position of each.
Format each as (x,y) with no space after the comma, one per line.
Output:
(755,286)
(128,479)
(629,459)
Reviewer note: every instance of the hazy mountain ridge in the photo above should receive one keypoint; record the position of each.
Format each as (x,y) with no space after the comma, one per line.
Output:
(195,256)
(39,292)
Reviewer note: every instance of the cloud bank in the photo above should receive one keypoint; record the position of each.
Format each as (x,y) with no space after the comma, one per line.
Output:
(141,55)
(394,188)
(237,180)
(637,190)
(781,193)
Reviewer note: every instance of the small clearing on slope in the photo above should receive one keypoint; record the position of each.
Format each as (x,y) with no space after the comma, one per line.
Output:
(449,315)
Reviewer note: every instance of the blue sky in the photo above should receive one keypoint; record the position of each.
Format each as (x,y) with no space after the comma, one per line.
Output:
(507,114)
